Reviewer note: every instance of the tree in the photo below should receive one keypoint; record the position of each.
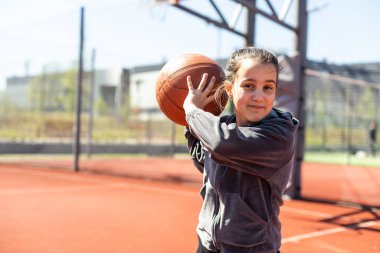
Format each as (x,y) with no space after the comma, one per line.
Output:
(55,91)
(68,81)
(101,106)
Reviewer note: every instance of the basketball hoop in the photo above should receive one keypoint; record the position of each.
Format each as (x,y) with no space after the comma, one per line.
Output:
(168,1)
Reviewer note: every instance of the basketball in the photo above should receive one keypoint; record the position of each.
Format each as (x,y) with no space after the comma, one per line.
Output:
(171,84)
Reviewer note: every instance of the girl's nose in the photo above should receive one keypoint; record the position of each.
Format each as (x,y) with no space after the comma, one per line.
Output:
(257,95)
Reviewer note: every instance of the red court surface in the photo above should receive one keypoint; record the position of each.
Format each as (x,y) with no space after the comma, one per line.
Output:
(57,211)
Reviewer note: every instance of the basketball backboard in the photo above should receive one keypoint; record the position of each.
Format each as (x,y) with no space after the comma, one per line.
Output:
(168,1)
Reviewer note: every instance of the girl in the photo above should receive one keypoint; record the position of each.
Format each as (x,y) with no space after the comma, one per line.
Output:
(247,157)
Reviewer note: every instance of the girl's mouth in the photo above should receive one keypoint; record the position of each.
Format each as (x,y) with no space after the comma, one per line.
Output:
(256,107)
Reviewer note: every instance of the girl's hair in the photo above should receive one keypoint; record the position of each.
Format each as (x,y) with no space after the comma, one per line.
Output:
(259,55)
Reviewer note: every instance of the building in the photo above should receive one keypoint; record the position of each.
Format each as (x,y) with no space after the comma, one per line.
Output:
(108,87)
(16,91)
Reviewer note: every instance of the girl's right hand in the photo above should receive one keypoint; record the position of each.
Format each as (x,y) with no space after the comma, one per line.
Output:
(198,97)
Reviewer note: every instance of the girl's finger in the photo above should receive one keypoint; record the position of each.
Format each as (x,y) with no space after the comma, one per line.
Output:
(208,100)
(210,86)
(203,82)
(189,84)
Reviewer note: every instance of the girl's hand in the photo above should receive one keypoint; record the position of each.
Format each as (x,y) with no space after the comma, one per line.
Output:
(198,97)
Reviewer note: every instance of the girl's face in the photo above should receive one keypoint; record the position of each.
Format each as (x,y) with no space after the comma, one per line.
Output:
(253,91)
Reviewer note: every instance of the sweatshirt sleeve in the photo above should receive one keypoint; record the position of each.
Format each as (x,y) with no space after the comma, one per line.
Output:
(261,150)
(196,151)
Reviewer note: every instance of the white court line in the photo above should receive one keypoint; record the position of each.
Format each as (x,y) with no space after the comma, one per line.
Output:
(298,238)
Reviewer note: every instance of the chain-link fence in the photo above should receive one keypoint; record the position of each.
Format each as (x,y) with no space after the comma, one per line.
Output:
(342,114)
(340,111)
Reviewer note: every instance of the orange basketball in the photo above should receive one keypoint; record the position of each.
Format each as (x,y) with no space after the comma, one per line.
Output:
(171,85)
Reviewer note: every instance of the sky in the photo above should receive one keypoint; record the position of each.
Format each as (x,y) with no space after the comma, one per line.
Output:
(43,35)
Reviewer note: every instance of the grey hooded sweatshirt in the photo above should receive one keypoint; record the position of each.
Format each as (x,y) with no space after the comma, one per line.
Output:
(245,173)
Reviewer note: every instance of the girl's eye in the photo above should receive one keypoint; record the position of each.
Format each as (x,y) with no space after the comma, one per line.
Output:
(268,88)
(248,86)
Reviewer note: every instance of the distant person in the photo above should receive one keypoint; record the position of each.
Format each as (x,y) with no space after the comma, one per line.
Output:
(247,156)
(372,132)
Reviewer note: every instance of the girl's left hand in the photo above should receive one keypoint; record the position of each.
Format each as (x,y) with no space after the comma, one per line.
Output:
(198,97)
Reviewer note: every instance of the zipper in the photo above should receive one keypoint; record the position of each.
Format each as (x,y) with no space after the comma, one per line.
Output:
(217,206)
(216,222)
(218,174)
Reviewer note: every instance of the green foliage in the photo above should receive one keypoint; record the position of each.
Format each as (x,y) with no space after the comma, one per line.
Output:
(46,91)
(366,105)
(34,92)
(6,105)
(58,126)
(68,97)
(56,91)
(125,110)
(101,106)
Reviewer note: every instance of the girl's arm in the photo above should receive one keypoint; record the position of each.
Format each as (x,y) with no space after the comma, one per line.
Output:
(260,149)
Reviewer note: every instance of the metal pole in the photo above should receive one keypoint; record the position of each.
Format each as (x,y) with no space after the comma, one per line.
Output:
(301,43)
(249,34)
(91,105)
(79,95)
(251,23)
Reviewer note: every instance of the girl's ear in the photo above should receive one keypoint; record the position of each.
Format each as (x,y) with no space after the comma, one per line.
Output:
(228,88)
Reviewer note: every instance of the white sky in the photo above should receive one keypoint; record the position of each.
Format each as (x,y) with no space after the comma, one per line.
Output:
(44,34)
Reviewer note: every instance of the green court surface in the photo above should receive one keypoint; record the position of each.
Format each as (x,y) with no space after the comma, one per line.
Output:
(341,158)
